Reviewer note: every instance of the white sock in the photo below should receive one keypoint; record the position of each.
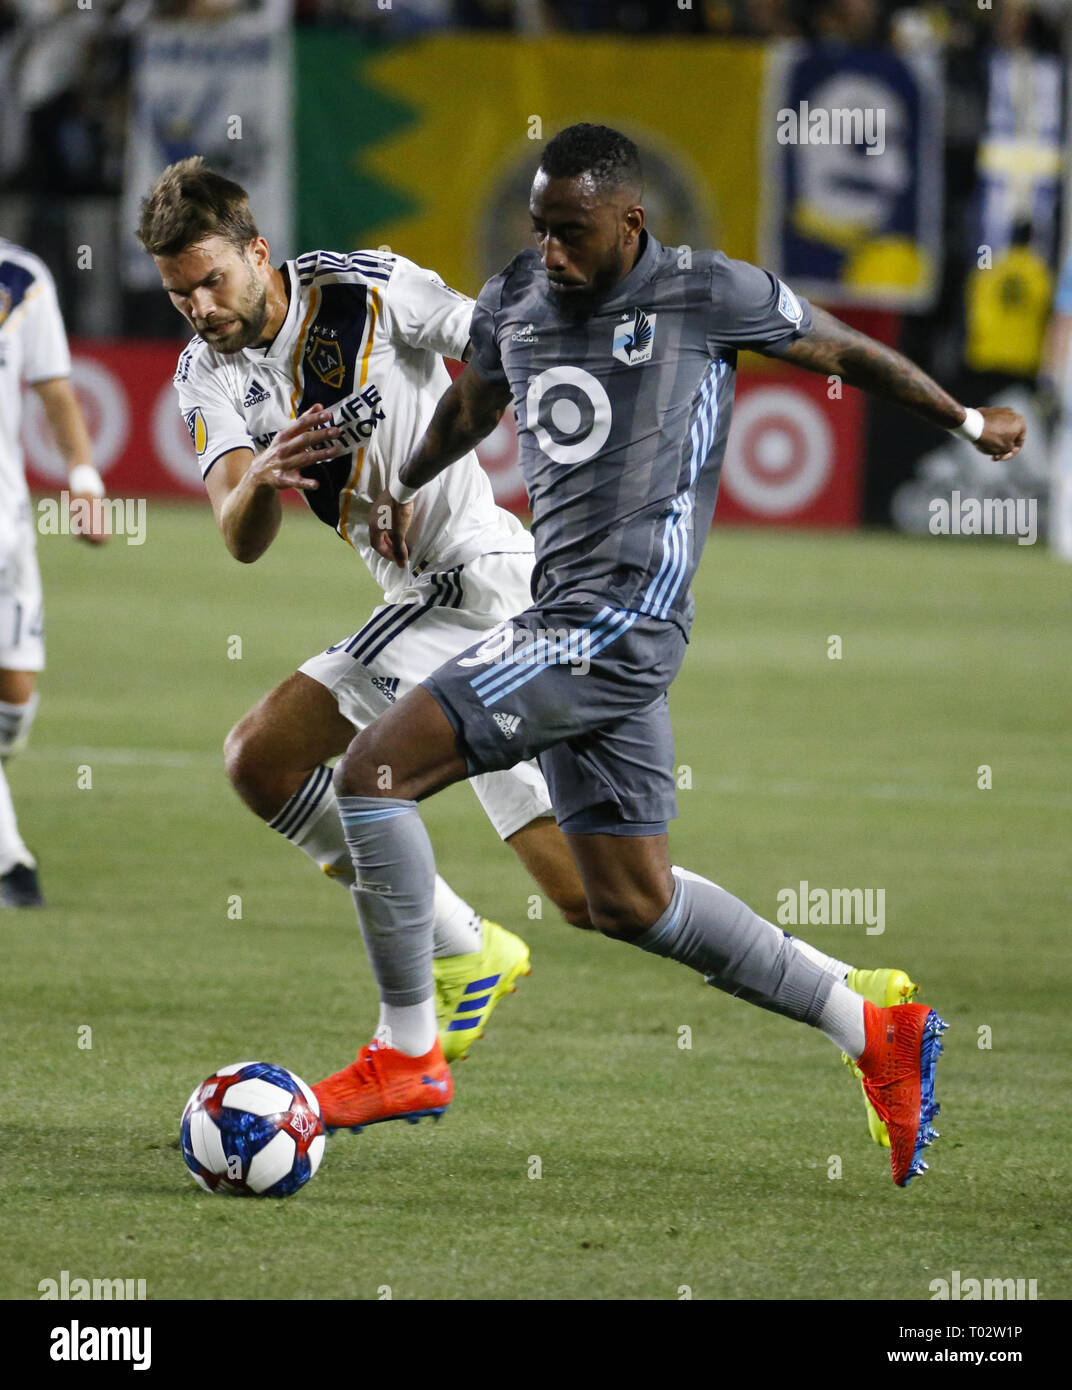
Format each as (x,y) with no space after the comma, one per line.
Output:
(16,721)
(458,930)
(837,968)
(842,1020)
(310,820)
(410,1028)
(12,849)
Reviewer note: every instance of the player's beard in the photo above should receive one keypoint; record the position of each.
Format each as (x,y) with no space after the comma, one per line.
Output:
(580,303)
(251,314)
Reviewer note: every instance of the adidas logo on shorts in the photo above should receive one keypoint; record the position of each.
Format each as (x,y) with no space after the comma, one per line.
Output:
(255,394)
(387,686)
(507,723)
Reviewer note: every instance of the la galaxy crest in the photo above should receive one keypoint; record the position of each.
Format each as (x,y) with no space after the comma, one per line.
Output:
(323,353)
(634,337)
(5,304)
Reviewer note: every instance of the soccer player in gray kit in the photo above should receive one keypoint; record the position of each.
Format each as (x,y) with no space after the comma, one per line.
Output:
(620,363)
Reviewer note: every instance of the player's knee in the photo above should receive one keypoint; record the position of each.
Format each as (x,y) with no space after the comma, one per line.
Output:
(620,918)
(576,914)
(359,772)
(249,768)
(236,753)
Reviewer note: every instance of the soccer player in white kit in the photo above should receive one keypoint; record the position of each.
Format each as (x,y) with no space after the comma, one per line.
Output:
(33,352)
(321,375)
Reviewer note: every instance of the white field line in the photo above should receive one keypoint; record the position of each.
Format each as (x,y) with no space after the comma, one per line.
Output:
(886,791)
(125,757)
(778,791)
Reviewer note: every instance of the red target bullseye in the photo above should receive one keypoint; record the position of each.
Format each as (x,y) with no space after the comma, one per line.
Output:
(780,453)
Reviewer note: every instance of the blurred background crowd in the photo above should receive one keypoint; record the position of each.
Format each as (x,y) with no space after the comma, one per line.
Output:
(950,244)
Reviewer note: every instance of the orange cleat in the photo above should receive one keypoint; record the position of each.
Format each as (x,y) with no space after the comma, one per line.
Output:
(898,1063)
(385,1084)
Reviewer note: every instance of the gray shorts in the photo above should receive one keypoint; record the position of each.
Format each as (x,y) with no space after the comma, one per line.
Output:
(583,688)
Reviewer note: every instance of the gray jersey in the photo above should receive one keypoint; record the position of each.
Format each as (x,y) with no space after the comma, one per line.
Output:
(623,414)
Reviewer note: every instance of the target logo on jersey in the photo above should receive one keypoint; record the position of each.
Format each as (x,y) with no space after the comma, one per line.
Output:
(569,412)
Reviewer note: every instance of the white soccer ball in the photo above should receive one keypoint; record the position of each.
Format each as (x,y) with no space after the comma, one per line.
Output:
(254,1130)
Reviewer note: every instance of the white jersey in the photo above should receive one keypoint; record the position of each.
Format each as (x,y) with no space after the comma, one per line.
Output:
(365,333)
(33,348)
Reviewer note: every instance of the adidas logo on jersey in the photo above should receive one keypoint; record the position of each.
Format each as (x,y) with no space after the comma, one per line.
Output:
(507,723)
(254,395)
(387,686)
(525,335)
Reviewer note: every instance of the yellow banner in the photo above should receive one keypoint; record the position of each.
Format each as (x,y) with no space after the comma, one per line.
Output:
(485,106)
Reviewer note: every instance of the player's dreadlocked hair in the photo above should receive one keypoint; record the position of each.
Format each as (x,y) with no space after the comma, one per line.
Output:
(609,156)
(189,203)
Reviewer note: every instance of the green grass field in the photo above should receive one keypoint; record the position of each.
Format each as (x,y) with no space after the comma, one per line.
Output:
(662,1167)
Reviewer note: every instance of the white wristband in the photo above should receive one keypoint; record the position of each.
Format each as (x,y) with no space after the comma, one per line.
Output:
(400,492)
(971,427)
(85,481)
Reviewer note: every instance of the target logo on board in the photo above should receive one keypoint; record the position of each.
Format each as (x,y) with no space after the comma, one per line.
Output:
(781,452)
(498,457)
(569,413)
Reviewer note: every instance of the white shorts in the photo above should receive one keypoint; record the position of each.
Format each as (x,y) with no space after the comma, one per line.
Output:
(437,616)
(22,619)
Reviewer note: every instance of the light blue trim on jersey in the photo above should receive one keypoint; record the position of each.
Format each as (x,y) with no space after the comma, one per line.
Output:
(537,655)
(540,653)
(675,553)
(609,625)
(663,589)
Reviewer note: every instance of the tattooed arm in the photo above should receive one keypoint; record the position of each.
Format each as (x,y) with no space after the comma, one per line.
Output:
(832,347)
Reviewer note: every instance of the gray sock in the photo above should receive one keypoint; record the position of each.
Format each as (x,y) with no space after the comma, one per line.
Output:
(737,951)
(394,892)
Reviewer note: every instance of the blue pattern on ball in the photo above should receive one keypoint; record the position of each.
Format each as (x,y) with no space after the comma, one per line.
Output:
(243,1135)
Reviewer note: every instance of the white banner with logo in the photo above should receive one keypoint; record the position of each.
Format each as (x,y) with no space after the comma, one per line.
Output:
(223,91)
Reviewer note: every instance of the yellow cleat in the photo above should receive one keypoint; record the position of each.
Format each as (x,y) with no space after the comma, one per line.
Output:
(883,988)
(467,988)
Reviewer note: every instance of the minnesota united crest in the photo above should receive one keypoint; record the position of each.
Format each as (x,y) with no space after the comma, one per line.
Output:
(634,338)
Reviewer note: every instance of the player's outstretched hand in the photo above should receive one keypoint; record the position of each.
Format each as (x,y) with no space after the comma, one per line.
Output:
(311,438)
(1003,432)
(388,523)
(98,530)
